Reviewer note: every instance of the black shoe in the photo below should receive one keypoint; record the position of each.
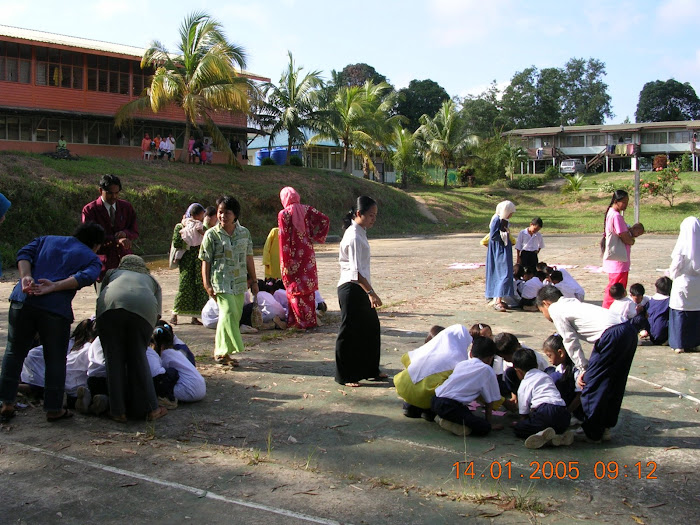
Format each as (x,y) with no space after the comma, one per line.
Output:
(428,415)
(412,411)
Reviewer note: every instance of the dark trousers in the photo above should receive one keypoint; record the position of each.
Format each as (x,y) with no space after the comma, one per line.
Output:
(357,348)
(165,383)
(459,413)
(24,322)
(606,378)
(98,386)
(528,259)
(544,416)
(125,337)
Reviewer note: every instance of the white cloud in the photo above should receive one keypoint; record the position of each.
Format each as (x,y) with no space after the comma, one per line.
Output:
(107,9)
(456,22)
(675,12)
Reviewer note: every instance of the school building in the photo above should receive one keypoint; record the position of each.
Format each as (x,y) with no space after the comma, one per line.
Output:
(53,85)
(617,147)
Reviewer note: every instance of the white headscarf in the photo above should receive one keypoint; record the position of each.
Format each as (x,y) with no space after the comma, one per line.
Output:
(440,354)
(504,210)
(688,243)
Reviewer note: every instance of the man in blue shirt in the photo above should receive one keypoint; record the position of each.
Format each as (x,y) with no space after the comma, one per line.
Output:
(51,269)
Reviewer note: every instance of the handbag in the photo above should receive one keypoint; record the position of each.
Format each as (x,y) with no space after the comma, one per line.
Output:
(175,256)
(615,249)
(256,320)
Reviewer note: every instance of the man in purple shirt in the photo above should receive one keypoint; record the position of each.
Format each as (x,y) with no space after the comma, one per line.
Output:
(51,269)
(118,219)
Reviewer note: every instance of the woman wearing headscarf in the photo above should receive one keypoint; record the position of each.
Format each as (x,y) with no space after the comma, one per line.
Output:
(499,258)
(299,227)
(684,303)
(191,295)
(128,307)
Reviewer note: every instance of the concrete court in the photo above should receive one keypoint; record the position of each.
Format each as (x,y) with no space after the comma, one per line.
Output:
(279,434)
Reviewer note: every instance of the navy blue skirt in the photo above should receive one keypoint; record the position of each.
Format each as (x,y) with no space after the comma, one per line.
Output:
(683,329)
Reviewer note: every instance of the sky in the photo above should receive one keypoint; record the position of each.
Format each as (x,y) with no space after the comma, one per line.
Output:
(463,45)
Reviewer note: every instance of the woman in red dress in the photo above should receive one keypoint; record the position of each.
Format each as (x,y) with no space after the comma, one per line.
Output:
(300,226)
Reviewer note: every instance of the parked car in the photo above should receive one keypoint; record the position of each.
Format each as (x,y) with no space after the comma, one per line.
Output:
(572,166)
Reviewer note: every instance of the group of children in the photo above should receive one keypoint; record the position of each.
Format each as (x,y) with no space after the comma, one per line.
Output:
(456,368)
(528,280)
(172,364)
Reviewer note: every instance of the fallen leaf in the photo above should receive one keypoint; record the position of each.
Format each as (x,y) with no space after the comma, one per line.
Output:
(671,448)
(654,505)
(132,484)
(129,451)
(637,519)
(510,505)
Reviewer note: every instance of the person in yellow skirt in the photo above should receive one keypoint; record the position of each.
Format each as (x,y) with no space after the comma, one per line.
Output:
(271,255)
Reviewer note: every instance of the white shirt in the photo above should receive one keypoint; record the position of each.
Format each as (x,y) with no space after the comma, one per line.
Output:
(269,306)
(570,288)
(190,386)
(469,380)
(561,369)
(354,255)
(108,206)
(575,320)
(281,297)
(77,362)
(529,243)
(685,291)
(96,359)
(440,354)
(528,289)
(500,365)
(536,389)
(624,307)
(154,362)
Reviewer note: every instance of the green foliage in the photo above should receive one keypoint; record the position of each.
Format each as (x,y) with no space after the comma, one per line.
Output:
(551,173)
(525,182)
(268,161)
(512,156)
(487,160)
(661,101)
(665,184)
(686,163)
(296,160)
(574,184)
(421,97)
(607,187)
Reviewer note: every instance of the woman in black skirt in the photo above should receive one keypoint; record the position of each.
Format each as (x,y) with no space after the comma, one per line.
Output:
(357,348)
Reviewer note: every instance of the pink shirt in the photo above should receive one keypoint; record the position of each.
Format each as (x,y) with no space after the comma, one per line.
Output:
(615,222)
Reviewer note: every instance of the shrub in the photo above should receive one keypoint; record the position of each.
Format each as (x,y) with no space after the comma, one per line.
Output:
(686,188)
(607,187)
(551,173)
(466,175)
(664,185)
(295,160)
(660,162)
(686,163)
(267,161)
(525,182)
(573,185)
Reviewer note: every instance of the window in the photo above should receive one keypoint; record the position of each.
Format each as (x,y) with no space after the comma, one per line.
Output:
(595,140)
(111,75)
(657,137)
(336,158)
(678,137)
(621,138)
(356,162)
(77,129)
(58,68)
(15,62)
(573,141)
(12,128)
(317,158)
(3,131)
(25,129)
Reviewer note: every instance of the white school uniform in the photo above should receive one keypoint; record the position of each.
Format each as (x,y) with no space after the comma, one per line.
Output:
(77,362)
(625,307)
(528,289)
(154,362)
(569,288)
(34,368)
(536,389)
(190,386)
(440,354)
(575,320)
(500,365)
(561,369)
(96,360)
(469,380)
(529,243)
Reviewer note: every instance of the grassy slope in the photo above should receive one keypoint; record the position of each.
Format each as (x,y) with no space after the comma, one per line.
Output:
(47,196)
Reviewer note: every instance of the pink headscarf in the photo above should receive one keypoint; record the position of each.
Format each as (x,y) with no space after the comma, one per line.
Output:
(292,204)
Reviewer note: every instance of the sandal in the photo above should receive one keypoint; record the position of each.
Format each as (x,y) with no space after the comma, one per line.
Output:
(226,360)
(196,321)
(66,414)
(353,385)
(500,307)
(157,414)
(119,419)
(382,376)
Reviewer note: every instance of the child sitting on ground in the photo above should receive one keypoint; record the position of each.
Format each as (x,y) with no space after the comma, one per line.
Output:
(528,288)
(637,295)
(94,398)
(656,327)
(190,385)
(427,367)
(568,287)
(622,305)
(480,330)
(564,374)
(529,244)
(543,413)
(471,380)
(508,381)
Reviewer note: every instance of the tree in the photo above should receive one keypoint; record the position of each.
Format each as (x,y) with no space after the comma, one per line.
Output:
(662,101)
(511,156)
(443,138)
(482,113)
(200,79)
(357,75)
(519,99)
(403,153)
(292,105)
(419,98)
(586,99)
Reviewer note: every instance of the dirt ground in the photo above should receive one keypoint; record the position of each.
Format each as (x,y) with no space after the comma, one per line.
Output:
(278,441)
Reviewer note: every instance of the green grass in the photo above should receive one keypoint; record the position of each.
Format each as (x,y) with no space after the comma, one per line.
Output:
(48,195)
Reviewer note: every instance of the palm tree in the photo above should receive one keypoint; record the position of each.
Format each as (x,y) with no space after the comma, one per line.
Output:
(292,105)
(200,79)
(512,156)
(403,153)
(444,138)
(352,119)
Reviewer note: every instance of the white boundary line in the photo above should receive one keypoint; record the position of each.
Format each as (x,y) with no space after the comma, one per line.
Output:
(200,493)
(680,394)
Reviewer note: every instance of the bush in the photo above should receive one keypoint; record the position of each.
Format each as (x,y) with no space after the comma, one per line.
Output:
(686,163)
(525,182)
(664,185)
(267,161)
(466,176)
(295,160)
(660,162)
(551,173)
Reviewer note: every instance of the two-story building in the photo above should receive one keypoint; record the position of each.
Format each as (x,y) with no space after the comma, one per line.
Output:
(616,147)
(53,85)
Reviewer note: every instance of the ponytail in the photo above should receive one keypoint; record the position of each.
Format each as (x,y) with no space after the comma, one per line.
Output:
(617,196)
(363,204)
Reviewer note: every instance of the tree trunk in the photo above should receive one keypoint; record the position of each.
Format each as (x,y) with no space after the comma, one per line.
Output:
(365,168)
(289,152)
(444,185)
(185,144)
(345,158)
(404,179)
